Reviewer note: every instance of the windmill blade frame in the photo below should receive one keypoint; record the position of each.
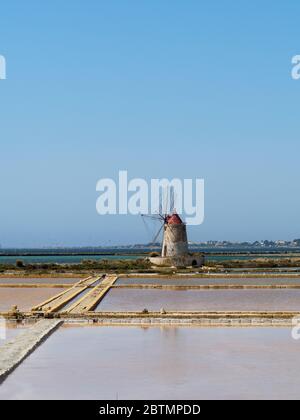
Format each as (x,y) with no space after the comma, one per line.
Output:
(157,235)
(157,217)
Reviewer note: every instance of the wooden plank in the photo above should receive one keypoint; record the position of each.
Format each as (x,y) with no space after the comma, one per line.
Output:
(58,301)
(110,282)
(92,299)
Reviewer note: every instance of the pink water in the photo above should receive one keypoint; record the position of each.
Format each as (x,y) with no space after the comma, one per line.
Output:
(160,363)
(39,280)
(201,300)
(24,298)
(193,281)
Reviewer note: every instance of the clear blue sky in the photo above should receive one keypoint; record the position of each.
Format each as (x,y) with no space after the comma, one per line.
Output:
(160,88)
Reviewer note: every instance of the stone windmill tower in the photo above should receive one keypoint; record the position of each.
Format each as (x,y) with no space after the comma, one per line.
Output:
(175,241)
(175,251)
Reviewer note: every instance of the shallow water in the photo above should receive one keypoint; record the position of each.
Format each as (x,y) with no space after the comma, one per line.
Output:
(200,300)
(213,280)
(24,298)
(160,363)
(32,280)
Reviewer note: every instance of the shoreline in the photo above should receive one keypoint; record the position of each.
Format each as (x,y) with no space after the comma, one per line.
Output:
(80,275)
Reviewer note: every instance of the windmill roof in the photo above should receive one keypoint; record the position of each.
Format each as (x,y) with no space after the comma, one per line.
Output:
(174,219)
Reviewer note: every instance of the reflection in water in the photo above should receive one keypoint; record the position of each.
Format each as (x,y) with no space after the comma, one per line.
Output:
(160,363)
(201,300)
(41,280)
(24,298)
(217,280)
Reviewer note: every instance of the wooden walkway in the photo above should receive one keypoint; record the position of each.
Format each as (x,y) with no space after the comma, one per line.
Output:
(90,301)
(57,302)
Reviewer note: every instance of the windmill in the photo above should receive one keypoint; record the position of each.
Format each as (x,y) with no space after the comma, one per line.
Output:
(162,214)
(174,242)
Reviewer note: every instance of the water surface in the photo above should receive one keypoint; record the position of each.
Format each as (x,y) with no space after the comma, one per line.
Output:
(160,363)
(212,280)
(201,300)
(32,280)
(24,298)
